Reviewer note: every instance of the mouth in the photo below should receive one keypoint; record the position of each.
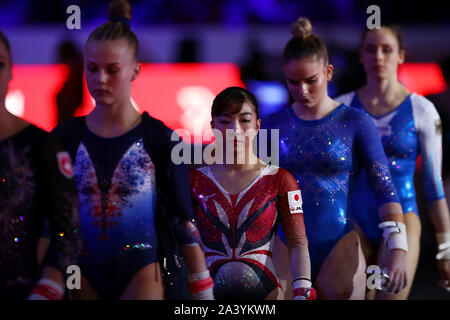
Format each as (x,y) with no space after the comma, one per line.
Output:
(378,67)
(304,100)
(101,91)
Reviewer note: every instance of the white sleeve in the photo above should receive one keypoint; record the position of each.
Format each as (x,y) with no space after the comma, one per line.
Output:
(346,98)
(429,128)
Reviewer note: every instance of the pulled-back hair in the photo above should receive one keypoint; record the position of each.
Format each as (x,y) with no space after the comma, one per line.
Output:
(391,27)
(233,98)
(118,26)
(5,41)
(304,44)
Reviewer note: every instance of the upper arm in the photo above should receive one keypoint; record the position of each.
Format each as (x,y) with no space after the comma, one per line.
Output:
(428,124)
(60,205)
(289,206)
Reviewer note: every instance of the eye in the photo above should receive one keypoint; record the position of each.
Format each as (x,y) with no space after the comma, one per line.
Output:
(224,121)
(2,64)
(245,120)
(91,68)
(113,70)
(311,81)
(371,49)
(387,49)
(292,82)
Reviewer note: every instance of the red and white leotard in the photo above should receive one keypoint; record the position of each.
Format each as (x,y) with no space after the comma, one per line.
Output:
(238,230)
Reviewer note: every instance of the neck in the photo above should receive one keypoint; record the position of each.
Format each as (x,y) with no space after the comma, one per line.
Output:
(113,120)
(250,161)
(9,123)
(319,111)
(386,87)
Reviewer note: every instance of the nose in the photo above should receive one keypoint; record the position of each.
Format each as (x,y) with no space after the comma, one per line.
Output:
(101,76)
(379,54)
(236,126)
(303,89)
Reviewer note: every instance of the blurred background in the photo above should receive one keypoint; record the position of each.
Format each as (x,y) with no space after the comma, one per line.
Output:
(192,49)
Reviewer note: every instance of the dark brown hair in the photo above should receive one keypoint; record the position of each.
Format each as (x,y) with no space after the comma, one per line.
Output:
(5,41)
(233,98)
(395,31)
(304,44)
(118,26)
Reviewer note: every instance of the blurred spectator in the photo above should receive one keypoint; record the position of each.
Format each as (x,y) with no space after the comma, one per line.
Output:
(70,97)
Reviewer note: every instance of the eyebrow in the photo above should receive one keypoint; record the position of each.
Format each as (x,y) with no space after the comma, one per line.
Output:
(309,78)
(227,114)
(108,64)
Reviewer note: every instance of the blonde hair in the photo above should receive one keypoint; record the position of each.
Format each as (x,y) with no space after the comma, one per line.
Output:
(304,44)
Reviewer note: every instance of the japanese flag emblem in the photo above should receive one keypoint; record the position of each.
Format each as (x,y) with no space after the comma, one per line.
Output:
(65,164)
(295,201)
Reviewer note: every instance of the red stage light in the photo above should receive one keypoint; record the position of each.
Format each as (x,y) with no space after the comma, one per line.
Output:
(180,95)
(422,78)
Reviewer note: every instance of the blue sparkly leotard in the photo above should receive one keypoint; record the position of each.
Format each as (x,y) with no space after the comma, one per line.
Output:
(411,128)
(326,156)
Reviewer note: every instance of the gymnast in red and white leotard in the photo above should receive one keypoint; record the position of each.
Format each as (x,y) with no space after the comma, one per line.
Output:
(240,206)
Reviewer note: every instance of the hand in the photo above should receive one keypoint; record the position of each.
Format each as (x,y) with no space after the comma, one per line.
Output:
(394,264)
(444,271)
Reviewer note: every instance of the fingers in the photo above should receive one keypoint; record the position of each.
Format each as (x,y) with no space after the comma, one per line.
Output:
(391,283)
(396,282)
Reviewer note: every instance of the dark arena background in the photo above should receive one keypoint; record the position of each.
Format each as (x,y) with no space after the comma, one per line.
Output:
(192,49)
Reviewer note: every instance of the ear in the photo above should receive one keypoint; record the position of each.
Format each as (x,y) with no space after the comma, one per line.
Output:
(258,125)
(402,55)
(136,71)
(329,71)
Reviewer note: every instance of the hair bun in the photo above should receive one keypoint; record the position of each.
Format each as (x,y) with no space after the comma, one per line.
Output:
(120,8)
(301,28)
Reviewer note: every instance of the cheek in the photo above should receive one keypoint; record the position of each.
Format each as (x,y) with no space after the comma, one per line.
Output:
(320,85)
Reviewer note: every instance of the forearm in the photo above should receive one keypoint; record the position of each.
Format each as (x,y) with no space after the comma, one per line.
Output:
(194,257)
(50,286)
(199,280)
(439,215)
(53,274)
(391,211)
(299,261)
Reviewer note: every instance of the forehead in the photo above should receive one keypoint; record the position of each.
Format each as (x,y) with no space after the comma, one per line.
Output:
(236,109)
(109,51)
(303,68)
(382,36)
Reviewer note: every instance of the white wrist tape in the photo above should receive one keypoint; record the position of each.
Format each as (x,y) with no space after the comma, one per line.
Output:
(444,251)
(201,285)
(443,241)
(300,289)
(302,283)
(198,276)
(47,289)
(394,234)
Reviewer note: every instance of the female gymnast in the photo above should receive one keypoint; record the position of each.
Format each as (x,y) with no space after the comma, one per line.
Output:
(240,202)
(409,126)
(36,183)
(129,189)
(325,144)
